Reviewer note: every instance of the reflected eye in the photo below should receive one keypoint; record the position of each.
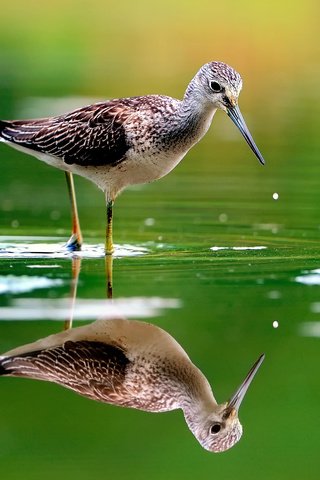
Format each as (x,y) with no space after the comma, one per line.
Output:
(215,428)
(215,87)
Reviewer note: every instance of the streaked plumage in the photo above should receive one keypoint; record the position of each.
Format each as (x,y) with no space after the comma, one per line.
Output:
(132,364)
(131,140)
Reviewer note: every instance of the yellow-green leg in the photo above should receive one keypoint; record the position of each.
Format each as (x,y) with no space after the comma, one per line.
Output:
(109,243)
(75,241)
(76,266)
(109,261)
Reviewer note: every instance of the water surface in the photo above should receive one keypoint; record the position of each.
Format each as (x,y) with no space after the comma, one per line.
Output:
(231,260)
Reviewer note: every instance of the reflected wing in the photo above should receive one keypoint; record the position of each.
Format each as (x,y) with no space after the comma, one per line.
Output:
(90,136)
(93,369)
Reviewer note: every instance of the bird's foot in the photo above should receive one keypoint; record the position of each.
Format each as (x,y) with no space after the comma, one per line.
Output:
(74,243)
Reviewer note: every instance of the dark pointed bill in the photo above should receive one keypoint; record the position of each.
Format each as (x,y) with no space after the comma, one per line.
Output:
(237,398)
(235,115)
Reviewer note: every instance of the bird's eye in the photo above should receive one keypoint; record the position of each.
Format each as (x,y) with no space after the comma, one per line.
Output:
(215,87)
(215,428)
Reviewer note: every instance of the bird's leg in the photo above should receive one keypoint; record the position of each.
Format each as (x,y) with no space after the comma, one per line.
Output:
(109,261)
(109,244)
(75,241)
(76,266)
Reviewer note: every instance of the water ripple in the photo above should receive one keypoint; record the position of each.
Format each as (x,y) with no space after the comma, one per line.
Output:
(311,277)
(84,309)
(15,284)
(29,249)
(255,247)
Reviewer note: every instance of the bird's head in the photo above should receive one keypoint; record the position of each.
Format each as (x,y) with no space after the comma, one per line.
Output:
(221,429)
(220,85)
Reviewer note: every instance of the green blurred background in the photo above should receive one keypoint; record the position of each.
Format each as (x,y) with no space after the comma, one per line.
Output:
(59,55)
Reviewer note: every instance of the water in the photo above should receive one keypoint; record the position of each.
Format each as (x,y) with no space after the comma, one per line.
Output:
(224,261)
(210,254)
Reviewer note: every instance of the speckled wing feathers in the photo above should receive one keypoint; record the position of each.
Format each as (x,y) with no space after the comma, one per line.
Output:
(90,136)
(93,369)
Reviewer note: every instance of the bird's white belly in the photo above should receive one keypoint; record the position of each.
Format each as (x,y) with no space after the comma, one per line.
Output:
(136,168)
(145,169)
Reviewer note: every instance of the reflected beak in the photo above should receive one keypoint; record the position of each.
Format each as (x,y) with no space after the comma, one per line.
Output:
(235,115)
(237,398)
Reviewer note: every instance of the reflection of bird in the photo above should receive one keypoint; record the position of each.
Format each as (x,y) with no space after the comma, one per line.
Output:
(130,140)
(132,364)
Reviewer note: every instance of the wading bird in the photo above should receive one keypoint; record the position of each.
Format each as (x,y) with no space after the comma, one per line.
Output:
(128,141)
(133,364)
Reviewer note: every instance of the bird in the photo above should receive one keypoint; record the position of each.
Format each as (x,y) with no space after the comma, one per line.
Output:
(127,141)
(134,364)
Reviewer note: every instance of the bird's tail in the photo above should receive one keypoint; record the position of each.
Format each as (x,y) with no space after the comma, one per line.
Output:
(3,130)
(4,370)
(2,127)
(12,366)
(20,365)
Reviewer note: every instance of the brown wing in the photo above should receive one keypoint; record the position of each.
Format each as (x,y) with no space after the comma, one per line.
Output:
(93,369)
(92,135)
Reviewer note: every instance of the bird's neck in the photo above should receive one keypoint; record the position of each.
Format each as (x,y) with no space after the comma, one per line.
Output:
(198,401)
(195,115)
(196,415)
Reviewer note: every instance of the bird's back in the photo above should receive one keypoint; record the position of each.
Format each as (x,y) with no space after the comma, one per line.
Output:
(94,135)
(117,361)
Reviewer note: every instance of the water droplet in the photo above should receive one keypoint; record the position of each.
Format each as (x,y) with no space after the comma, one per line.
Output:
(55,215)
(223,217)
(274,294)
(15,223)
(149,222)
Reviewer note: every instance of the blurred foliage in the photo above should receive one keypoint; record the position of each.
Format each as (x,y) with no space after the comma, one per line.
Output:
(109,48)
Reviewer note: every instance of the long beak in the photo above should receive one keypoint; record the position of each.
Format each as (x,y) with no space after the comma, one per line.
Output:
(235,115)
(237,398)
